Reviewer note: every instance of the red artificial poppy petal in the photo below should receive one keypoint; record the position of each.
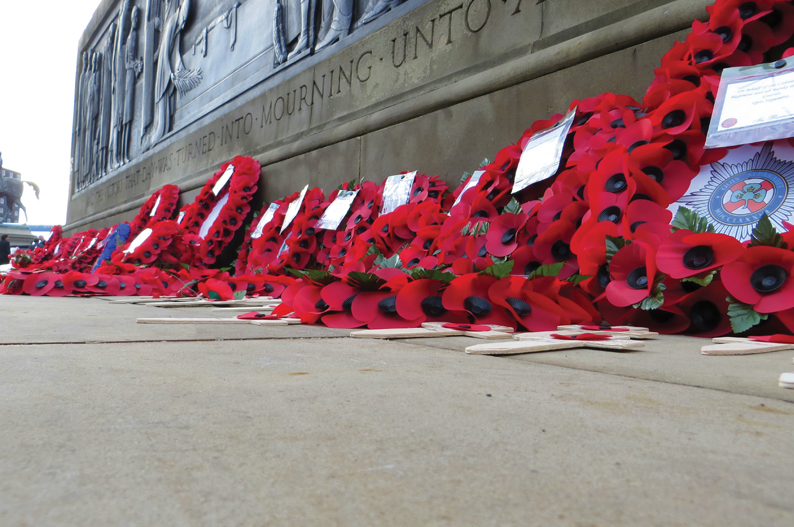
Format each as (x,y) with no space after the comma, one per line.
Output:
(308,300)
(39,284)
(736,277)
(255,315)
(581,336)
(336,293)
(343,320)
(410,297)
(365,305)
(778,339)
(780,300)
(619,293)
(467,327)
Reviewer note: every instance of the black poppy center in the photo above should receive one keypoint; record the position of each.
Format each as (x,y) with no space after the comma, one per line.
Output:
(655,173)
(531,267)
(102,284)
(698,257)
(610,214)
(616,183)
(388,306)
(80,283)
(521,308)
(42,284)
(673,119)
(747,9)
(560,250)
(347,305)
(432,306)
(773,19)
(603,276)
(638,278)
(768,279)
(480,214)
(509,236)
(725,32)
(321,305)
(660,317)
(704,55)
(477,306)
(705,316)
(678,148)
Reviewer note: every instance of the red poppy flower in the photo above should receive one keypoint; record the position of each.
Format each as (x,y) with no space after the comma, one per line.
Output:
(339,297)
(126,285)
(657,163)
(215,290)
(39,284)
(78,283)
(633,269)
(469,293)
(666,320)
(781,21)
(106,285)
(379,310)
(762,277)
(421,300)
(502,236)
(707,309)
(684,254)
(308,304)
(532,310)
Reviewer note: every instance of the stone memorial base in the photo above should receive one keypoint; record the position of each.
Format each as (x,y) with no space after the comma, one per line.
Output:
(18,235)
(433,86)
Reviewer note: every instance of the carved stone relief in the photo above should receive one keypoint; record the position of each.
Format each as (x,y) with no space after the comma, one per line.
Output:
(157,66)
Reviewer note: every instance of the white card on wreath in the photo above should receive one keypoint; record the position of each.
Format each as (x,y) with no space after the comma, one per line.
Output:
(541,156)
(223,180)
(337,210)
(267,217)
(734,193)
(397,191)
(293,209)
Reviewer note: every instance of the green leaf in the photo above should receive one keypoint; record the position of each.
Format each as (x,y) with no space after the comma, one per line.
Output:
(501,270)
(465,231)
(547,270)
(419,273)
(484,163)
(464,177)
(225,269)
(214,296)
(577,278)
(701,280)
(614,245)
(373,249)
(690,220)
(514,207)
(765,234)
(655,300)
(365,281)
(239,295)
(481,228)
(743,316)
(319,277)
(389,263)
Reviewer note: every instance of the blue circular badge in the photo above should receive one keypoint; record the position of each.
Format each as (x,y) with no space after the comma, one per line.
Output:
(745,197)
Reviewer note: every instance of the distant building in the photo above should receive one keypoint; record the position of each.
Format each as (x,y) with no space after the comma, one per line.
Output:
(4,172)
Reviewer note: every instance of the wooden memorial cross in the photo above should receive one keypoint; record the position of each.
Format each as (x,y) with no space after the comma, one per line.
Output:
(748,346)
(437,329)
(545,341)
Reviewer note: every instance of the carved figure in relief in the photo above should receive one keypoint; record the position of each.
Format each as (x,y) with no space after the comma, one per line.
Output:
(119,83)
(107,99)
(340,24)
(284,32)
(78,115)
(171,72)
(374,9)
(97,82)
(90,114)
(133,66)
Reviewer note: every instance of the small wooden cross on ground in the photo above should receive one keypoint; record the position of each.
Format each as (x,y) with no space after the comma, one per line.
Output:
(748,346)
(253,317)
(437,329)
(545,341)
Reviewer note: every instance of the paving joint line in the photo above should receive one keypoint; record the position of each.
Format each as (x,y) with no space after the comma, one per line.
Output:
(182,341)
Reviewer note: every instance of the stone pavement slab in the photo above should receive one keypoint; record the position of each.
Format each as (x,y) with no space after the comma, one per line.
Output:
(355,432)
(672,359)
(75,319)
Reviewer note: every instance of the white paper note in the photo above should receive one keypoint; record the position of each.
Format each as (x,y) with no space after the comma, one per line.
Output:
(223,180)
(337,211)
(216,210)
(397,191)
(293,209)
(267,217)
(541,157)
(156,206)
(139,240)
(473,180)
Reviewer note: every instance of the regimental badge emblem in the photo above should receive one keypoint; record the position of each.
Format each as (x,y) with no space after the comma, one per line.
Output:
(737,191)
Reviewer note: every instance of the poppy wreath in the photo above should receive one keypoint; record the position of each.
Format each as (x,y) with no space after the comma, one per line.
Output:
(595,243)
(87,252)
(156,240)
(234,202)
(165,201)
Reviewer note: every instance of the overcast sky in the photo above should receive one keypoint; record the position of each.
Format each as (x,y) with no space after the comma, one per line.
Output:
(38,54)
